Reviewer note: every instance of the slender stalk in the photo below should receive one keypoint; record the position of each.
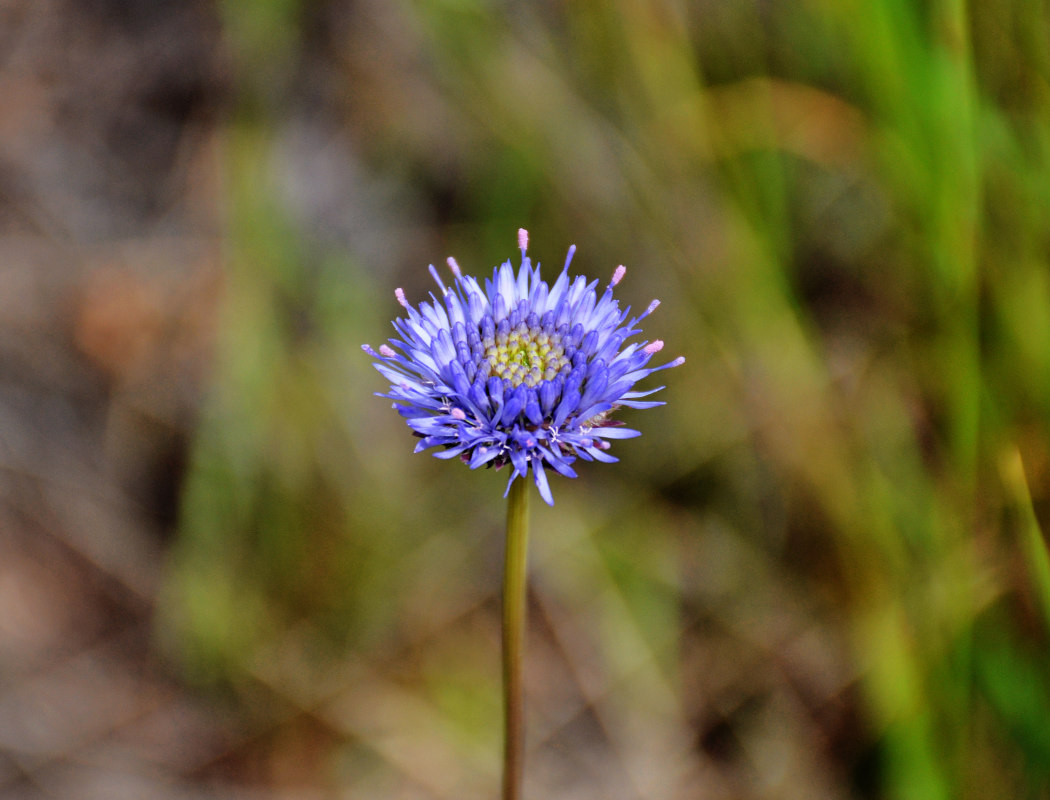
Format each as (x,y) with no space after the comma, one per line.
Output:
(514,576)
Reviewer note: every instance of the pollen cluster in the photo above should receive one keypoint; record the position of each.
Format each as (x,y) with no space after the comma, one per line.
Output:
(526,356)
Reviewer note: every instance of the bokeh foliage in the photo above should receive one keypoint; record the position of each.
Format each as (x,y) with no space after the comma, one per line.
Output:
(843,206)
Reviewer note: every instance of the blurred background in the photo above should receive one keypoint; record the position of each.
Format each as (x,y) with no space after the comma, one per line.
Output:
(821,572)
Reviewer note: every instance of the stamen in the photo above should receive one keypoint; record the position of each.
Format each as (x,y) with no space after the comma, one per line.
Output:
(654,347)
(387,351)
(399,293)
(618,275)
(457,413)
(452,265)
(523,239)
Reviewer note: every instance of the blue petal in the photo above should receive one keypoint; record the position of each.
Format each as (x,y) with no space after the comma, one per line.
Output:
(433,441)
(507,288)
(479,397)
(641,403)
(452,452)
(634,395)
(549,391)
(515,403)
(594,410)
(595,386)
(558,463)
(519,460)
(532,410)
(483,455)
(598,455)
(614,433)
(541,482)
(495,390)
(570,401)
(513,475)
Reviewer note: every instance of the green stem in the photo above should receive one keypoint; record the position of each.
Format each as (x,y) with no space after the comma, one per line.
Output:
(514,576)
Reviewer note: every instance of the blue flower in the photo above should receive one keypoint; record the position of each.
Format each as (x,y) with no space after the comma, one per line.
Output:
(519,373)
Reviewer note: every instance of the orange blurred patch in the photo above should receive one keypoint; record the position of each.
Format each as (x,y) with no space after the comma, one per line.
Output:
(118,320)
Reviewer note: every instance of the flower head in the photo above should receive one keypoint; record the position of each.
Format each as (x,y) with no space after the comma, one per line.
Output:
(519,372)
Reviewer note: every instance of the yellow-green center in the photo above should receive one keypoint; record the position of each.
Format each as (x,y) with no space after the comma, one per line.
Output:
(526,356)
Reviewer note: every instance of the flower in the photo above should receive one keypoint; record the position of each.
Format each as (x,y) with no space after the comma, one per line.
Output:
(520,373)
